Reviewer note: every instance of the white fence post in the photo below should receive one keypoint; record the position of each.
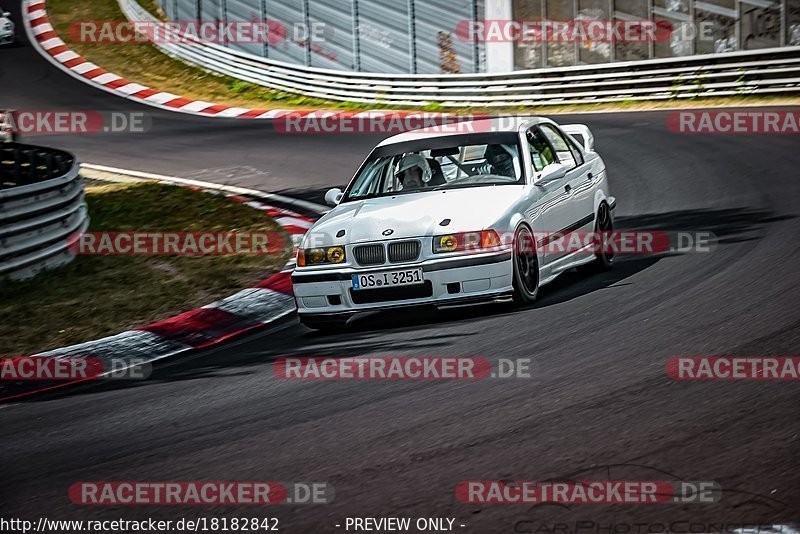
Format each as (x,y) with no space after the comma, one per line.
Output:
(499,55)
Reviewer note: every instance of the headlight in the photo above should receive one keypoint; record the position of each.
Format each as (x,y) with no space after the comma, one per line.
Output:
(465,241)
(317,256)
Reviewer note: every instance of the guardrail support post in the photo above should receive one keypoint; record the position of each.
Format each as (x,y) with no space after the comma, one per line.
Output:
(499,56)
(307,23)
(262,8)
(356,38)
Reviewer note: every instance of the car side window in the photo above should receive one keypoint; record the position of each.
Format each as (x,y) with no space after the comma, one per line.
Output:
(561,146)
(373,175)
(541,153)
(576,153)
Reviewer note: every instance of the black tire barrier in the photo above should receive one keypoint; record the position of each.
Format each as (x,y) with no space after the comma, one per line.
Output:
(41,206)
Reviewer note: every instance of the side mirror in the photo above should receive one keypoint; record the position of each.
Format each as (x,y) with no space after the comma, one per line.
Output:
(554,171)
(333,196)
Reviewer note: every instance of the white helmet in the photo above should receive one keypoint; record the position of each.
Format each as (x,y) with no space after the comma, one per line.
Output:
(415,160)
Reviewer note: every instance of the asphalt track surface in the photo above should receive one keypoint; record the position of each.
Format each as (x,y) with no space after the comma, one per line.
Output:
(599,404)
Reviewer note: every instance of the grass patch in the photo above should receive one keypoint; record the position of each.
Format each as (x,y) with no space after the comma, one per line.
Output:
(96,296)
(145,64)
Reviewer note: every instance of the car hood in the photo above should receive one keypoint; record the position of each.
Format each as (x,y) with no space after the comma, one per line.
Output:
(414,215)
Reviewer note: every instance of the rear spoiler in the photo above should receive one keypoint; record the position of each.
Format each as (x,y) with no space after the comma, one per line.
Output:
(584,132)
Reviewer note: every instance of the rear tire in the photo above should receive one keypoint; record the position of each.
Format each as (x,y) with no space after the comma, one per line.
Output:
(604,227)
(324,323)
(526,267)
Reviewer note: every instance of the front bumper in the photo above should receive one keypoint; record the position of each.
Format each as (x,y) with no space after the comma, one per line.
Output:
(6,37)
(477,277)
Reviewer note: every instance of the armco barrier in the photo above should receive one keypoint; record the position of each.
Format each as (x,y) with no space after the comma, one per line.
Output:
(41,205)
(764,72)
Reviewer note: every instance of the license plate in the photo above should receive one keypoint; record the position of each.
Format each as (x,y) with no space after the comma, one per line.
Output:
(406,277)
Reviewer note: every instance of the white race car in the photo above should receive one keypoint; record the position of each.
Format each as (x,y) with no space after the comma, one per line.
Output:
(6,28)
(445,217)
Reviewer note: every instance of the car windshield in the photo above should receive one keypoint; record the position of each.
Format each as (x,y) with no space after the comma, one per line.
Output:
(407,169)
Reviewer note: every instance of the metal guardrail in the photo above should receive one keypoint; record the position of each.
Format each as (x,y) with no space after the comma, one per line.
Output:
(764,72)
(41,206)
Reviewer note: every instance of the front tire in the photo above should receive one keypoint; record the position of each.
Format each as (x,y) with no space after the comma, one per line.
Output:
(526,267)
(324,323)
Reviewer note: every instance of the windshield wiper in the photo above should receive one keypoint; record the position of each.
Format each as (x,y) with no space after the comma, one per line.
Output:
(367,197)
(451,186)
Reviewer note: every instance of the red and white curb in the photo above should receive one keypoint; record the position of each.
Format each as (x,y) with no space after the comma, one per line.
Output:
(42,34)
(250,308)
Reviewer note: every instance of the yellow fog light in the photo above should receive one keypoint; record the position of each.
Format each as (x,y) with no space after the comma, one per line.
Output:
(447,243)
(336,254)
(316,255)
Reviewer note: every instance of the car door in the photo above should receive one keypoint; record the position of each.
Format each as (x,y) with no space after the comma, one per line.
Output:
(584,185)
(580,183)
(550,212)
(581,179)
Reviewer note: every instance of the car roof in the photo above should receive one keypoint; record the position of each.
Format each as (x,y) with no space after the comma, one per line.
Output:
(456,127)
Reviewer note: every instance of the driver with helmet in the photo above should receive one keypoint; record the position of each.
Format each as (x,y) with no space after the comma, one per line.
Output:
(413,172)
(500,160)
